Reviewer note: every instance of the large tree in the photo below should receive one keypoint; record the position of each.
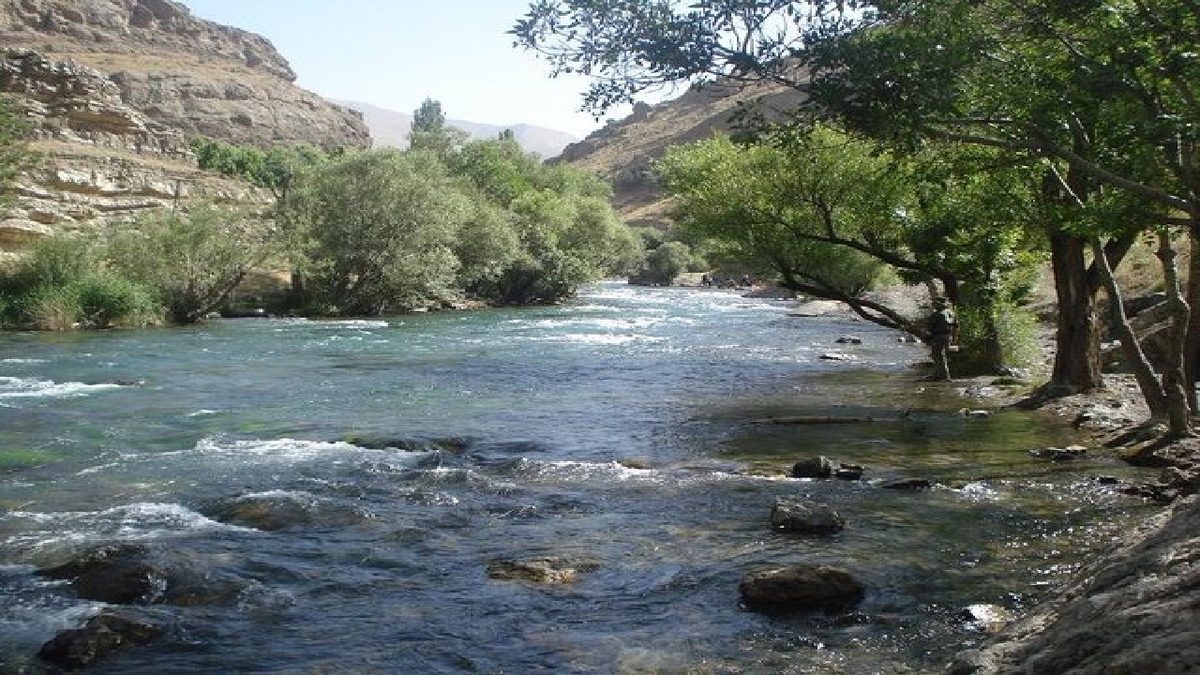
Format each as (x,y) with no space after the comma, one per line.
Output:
(379,231)
(829,214)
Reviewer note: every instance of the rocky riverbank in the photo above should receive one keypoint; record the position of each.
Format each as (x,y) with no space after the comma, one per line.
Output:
(1132,610)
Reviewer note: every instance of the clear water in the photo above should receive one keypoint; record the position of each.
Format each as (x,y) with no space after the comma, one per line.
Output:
(624,432)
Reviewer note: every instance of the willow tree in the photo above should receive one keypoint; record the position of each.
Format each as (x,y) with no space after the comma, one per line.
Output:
(378,231)
(831,214)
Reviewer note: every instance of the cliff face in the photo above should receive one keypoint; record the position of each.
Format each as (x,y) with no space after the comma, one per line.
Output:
(102,161)
(116,89)
(196,76)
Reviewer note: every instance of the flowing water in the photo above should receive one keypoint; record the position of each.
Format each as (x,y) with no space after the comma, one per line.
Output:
(621,436)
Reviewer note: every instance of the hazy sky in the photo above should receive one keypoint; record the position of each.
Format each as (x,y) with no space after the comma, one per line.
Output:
(396,53)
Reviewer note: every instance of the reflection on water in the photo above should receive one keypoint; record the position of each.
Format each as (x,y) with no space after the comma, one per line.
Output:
(354,480)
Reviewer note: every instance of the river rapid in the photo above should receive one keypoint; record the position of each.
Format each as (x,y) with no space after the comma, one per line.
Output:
(621,435)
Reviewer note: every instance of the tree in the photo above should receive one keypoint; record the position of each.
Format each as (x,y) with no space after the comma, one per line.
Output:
(379,230)
(829,214)
(430,132)
(565,230)
(193,259)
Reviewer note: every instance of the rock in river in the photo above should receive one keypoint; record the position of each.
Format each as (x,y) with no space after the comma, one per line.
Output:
(800,588)
(100,636)
(790,515)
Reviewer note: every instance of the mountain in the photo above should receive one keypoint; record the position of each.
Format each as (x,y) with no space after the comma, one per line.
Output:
(390,129)
(116,89)
(623,152)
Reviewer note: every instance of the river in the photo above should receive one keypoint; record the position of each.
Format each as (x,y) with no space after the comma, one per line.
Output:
(621,434)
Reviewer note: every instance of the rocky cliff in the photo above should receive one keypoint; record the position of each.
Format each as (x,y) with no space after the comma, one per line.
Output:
(115,90)
(193,75)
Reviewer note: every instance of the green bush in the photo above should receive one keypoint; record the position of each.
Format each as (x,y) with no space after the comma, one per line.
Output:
(50,308)
(63,284)
(108,300)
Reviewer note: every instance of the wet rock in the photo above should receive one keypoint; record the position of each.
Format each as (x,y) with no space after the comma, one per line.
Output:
(790,515)
(838,356)
(118,574)
(977,414)
(909,484)
(800,588)
(382,442)
(99,637)
(1066,454)
(546,571)
(272,511)
(137,574)
(813,467)
(971,662)
(849,340)
(849,472)
(1131,610)
(985,617)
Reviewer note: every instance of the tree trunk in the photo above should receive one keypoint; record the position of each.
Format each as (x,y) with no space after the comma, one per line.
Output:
(1148,382)
(1191,350)
(1077,367)
(1179,416)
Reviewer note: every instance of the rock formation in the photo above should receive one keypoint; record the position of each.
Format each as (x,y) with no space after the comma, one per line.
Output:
(193,75)
(116,89)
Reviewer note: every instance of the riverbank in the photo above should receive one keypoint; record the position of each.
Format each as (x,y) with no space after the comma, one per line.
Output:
(1133,609)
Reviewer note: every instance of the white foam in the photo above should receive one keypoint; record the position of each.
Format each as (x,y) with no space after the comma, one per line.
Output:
(22,387)
(137,522)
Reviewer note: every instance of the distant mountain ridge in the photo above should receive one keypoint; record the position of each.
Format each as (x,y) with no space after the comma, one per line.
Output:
(623,152)
(390,129)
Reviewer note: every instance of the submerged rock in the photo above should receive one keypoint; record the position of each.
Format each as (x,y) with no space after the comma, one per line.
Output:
(1060,454)
(119,574)
(548,571)
(271,511)
(909,484)
(800,588)
(790,515)
(99,637)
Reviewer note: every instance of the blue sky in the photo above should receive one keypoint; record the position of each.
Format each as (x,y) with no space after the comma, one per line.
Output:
(396,53)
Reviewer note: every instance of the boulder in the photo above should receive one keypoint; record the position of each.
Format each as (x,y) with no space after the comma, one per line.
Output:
(800,588)
(790,515)
(813,467)
(139,574)
(119,574)
(100,636)
(849,340)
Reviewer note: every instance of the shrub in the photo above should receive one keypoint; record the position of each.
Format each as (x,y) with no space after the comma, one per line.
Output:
(109,300)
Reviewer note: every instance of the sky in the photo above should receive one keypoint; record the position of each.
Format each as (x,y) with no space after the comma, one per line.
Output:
(396,53)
